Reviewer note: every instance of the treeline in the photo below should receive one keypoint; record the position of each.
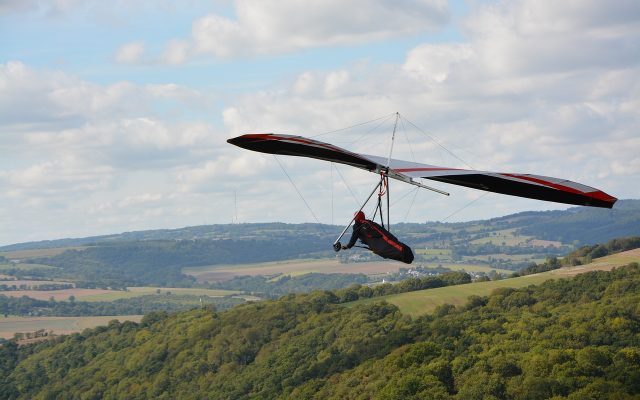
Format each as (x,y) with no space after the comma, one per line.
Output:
(8,286)
(26,306)
(275,286)
(567,339)
(583,255)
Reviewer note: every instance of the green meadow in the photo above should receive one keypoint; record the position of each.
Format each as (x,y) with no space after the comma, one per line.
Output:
(146,290)
(425,301)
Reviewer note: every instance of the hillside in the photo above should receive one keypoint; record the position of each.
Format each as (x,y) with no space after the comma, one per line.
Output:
(572,338)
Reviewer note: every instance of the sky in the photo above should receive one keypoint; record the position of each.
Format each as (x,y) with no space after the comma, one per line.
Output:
(114,115)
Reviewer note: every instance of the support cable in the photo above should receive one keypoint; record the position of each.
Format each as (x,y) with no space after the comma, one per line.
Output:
(370,130)
(347,185)
(331,170)
(353,126)
(465,206)
(438,143)
(415,194)
(296,188)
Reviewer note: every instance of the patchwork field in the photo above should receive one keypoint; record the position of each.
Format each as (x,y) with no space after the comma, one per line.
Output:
(58,295)
(219,273)
(146,290)
(59,325)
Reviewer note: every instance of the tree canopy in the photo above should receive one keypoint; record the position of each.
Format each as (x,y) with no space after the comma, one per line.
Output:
(570,338)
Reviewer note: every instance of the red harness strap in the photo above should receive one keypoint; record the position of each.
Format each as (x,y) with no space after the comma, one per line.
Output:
(386,238)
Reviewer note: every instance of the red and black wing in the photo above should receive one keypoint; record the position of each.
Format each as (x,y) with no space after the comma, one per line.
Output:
(521,185)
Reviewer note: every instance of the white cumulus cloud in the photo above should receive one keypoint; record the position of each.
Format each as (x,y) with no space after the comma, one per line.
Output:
(262,27)
(130,53)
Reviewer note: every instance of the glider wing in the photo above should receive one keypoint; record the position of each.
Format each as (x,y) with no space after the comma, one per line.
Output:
(521,185)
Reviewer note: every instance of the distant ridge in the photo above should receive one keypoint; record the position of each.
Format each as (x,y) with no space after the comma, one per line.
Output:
(582,224)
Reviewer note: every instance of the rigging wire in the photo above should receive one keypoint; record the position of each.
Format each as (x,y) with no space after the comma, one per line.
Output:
(438,143)
(370,130)
(331,170)
(296,188)
(415,194)
(398,200)
(413,158)
(353,126)
(347,185)
(465,206)
(406,137)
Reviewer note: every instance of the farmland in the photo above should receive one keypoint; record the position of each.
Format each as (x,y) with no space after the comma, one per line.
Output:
(297,267)
(36,253)
(328,266)
(142,291)
(57,295)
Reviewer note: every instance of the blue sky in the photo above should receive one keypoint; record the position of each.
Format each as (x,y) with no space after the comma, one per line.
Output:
(114,116)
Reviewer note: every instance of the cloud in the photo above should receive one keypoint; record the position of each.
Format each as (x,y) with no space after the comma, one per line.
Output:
(68,143)
(130,53)
(176,52)
(262,27)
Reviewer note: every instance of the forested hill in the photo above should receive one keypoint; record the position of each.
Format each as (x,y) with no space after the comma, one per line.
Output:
(571,338)
(585,225)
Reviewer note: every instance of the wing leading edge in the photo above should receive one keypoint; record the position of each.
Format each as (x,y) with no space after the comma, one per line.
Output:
(522,185)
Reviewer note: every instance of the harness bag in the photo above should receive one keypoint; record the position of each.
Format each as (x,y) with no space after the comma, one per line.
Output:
(384,244)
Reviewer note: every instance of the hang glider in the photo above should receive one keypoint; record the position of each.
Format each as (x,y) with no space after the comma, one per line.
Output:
(522,185)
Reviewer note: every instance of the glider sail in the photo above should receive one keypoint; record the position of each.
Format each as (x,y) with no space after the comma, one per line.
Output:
(521,185)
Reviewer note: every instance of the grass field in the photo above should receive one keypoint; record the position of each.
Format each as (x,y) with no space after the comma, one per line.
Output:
(505,257)
(145,290)
(58,295)
(59,325)
(425,301)
(22,254)
(506,237)
(218,273)
(434,252)
(468,267)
